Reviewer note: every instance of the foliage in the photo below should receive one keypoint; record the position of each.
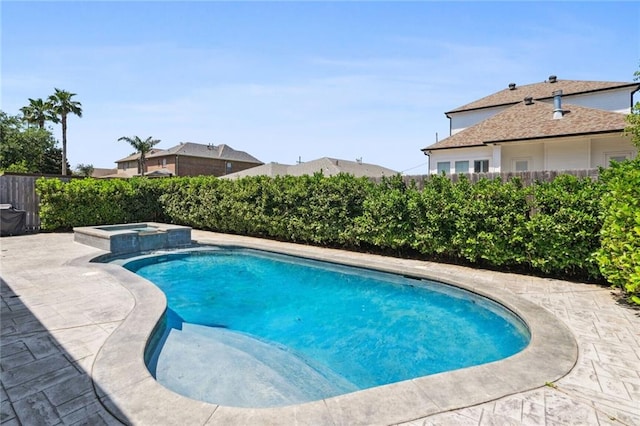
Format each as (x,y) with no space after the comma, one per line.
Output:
(633,119)
(619,254)
(38,112)
(385,221)
(311,209)
(62,104)
(551,228)
(84,169)
(85,202)
(27,150)
(563,231)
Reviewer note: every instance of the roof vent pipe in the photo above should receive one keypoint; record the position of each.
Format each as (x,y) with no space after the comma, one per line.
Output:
(557,104)
(528,100)
(512,86)
(553,79)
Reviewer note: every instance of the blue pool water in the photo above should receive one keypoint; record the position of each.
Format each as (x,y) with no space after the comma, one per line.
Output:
(247,328)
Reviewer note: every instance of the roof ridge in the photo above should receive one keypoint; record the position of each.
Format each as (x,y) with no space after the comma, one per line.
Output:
(542,90)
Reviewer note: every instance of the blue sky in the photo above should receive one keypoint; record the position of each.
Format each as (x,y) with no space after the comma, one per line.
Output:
(289,80)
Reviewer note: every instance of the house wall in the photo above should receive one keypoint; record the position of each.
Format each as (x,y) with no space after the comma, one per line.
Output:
(167,162)
(128,167)
(196,166)
(611,100)
(567,154)
(573,153)
(460,154)
(603,148)
(533,153)
(462,120)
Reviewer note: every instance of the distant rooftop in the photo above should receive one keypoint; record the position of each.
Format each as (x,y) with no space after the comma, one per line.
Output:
(191,149)
(328,166)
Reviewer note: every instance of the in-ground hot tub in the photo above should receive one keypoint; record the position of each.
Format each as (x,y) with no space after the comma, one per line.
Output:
(133,237)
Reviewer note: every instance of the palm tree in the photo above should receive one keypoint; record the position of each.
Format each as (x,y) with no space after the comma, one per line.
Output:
(141,146)
(38,112)
(62,105)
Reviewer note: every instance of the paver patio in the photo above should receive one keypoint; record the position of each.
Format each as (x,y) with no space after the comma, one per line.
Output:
(56,314)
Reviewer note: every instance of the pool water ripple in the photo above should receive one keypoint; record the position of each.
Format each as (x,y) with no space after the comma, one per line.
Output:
(251,329)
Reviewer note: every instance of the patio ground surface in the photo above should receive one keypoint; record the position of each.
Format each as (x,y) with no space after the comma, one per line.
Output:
(57,314)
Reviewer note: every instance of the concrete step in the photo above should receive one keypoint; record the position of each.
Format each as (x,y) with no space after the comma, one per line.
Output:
(229,368)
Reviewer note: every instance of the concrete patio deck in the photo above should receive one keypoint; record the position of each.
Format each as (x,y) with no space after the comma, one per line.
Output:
(58,312)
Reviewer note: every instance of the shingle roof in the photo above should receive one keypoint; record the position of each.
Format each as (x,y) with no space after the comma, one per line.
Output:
(136,155)
(525,122)
(222,152)
(542,90)
(328,166)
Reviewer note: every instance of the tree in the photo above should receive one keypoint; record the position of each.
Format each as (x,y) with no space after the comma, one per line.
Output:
(633,119)
(62,105)
(25,149)
(38,112)
(142,147)
(84,169)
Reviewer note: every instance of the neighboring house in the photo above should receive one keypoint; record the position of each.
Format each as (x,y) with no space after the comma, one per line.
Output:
(189,159)
(553,125)
(327,166)
(101,172)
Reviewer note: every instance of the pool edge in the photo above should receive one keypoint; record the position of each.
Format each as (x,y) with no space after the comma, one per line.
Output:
(120,372)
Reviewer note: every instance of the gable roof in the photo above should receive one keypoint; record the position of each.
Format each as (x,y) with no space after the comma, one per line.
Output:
(221,152)
(535,121)
(328,166)
(544,90)
(136,155)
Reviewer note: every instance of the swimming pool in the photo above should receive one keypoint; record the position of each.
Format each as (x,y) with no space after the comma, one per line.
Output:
(287,330)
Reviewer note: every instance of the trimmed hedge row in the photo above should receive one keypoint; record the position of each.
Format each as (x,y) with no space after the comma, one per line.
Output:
(548,228)
(619,254)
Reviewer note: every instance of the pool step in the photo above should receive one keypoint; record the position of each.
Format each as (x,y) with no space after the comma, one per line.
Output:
(225,367)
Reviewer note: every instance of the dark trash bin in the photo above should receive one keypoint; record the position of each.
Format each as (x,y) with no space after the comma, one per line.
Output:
(12,221)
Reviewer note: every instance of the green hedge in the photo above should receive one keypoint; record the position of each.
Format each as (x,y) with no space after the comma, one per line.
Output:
(86,202)
(619,255)
(549,228)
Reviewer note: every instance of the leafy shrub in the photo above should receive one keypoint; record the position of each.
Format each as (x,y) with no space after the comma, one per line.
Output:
(385,222)
(619,254)
(86,202)
(563,231)
(489,218)
(552,228)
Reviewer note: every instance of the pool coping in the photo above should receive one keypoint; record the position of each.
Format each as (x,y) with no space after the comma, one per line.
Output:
(131,394)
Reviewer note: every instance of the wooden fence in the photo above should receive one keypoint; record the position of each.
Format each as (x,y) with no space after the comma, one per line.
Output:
(527,178)
(19,190)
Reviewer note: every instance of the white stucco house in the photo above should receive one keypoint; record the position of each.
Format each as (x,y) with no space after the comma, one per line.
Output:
(553,125)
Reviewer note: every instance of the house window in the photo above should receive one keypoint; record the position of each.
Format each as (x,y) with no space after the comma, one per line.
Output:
(481,166)
(229,167)
(164,162)
(462,167)
(521,165)
(617,156)
(444,167)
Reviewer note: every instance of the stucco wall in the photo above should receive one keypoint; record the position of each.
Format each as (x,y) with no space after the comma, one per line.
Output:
(461,154)
(533,153)
(462,120)
(602,149)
